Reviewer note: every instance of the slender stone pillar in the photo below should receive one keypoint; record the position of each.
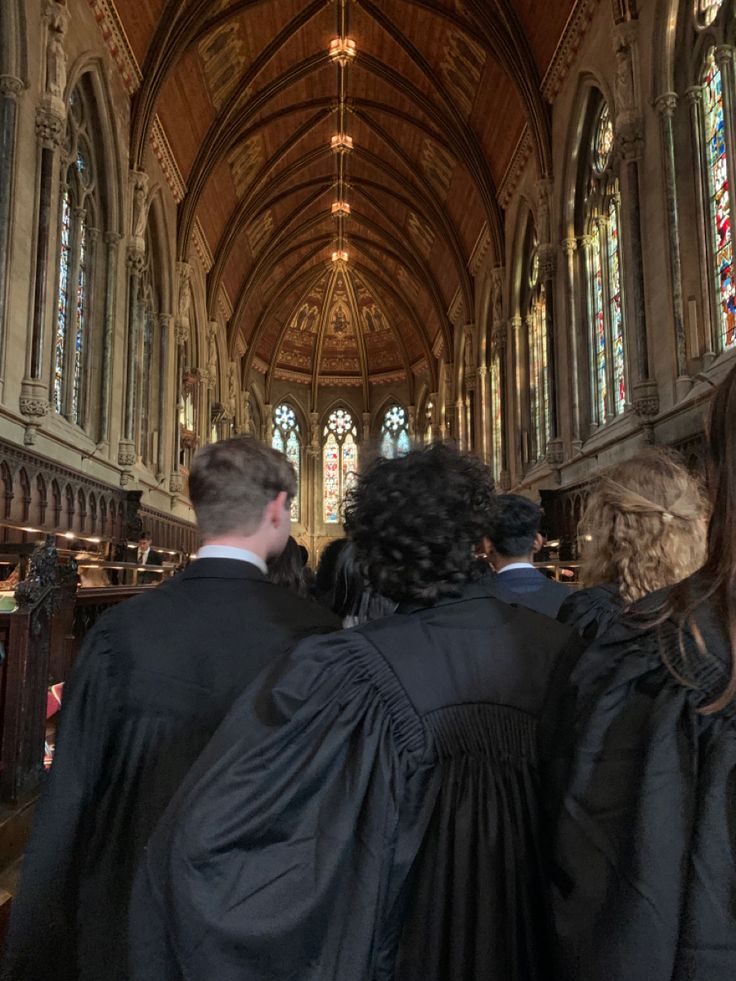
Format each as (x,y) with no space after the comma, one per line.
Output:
(127,446)
(666,105)
(112,240)
(165,323)
(569,246)
(10,89)
(705,237)
(553,451)
(485,413)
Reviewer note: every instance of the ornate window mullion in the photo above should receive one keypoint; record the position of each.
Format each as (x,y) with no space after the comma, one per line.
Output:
(603,225)
(705,238)
(586,241)
(72,314)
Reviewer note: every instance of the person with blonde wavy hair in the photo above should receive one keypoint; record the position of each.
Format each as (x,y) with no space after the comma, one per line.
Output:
(643,528)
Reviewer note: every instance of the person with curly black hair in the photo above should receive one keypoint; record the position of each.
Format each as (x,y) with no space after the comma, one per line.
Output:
(372,809)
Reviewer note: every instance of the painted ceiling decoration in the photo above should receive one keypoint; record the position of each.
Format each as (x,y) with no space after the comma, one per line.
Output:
(338,162)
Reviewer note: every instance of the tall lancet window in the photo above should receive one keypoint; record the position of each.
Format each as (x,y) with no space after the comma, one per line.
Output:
(394,433)
(287,439)
(538,360)
(599,189)
(496,416)
(339,462)
(720,199)
(78,211)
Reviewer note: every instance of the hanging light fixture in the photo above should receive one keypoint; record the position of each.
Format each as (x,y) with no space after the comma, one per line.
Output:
(341,142)
(340,208)
(340,255)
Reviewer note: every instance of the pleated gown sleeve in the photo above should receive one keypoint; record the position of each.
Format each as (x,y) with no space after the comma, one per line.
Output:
(591,611)
(284,850)
(43,922)
(644,861)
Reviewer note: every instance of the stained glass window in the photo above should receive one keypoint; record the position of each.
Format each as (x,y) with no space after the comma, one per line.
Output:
(602,140)
(62,304)
(81,324)
(287,439)
(600,350)
(394,433)
(496,416)
(615,304)
(720,202)
(147,408)
(706,11)
(603,270)
(339,462)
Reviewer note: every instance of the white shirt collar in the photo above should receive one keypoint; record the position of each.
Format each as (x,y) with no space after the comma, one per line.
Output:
(229,552)
(514,565)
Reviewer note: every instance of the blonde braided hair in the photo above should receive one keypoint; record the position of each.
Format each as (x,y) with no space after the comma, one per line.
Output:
(643,526)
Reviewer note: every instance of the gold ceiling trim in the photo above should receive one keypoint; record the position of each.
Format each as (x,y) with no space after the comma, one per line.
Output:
(114,36)
(567,48)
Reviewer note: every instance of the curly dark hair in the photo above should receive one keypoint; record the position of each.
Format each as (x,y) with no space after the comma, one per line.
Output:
(416,522)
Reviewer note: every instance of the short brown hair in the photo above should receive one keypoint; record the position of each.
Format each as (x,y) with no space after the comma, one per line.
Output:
(231,483)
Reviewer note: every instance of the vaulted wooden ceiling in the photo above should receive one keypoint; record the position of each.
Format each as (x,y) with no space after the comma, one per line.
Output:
(434,96)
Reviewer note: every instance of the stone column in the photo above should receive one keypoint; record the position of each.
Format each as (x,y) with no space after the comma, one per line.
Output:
(553,451)
(67,394)
(711,315)
(500,346)
(485,413)
(516,417)
(50,125)
(267,423)
(412,423)
(181,335)
(165,324)
(629,128)
(10,89)
(666,105)
(108,334)
(126,448)
(569,246)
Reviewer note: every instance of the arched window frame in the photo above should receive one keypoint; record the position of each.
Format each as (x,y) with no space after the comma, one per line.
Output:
(286,436)
(149,350)
(339,461)
(394,434)
(603,270)
(496,393)
(80,217)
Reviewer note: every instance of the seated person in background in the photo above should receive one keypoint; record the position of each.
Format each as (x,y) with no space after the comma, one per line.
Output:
(147,556)
(511,541)
(287,570)
(371,807)
(155,677)
(643,528)
(324,578)
(12,579)
(644,857)
(355,602)
(90,575)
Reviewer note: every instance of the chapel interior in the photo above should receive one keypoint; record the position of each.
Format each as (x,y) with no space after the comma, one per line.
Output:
(344,227)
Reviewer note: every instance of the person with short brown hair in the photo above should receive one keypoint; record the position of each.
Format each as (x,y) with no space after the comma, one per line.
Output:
(154,679)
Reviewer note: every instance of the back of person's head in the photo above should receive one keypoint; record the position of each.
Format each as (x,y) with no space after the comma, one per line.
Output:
(287,569)
(353,599)
(324,577)
(718,581)
(416,522)
(232,481)
(643,525)
(515,525)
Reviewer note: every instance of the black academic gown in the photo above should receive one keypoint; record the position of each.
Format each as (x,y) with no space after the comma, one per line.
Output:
(645,845)
(155,678)
(370,812)
(591,611)
(528,587)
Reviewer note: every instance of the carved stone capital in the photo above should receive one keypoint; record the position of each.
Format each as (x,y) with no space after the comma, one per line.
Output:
(10,86)
(555,453)
(176,483)
(111,238)
(165,321)
(181,332)
(723,54)
(50,125)
(666,104)
(630,137)
(569,246)
(547,262)
(694,95)
(33,406)
(126,478)
(126,453)
(135,259)
(646,399)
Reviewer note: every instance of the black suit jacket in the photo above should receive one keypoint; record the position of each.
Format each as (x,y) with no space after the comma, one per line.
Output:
(155,677)
(527,587)
(153,557)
